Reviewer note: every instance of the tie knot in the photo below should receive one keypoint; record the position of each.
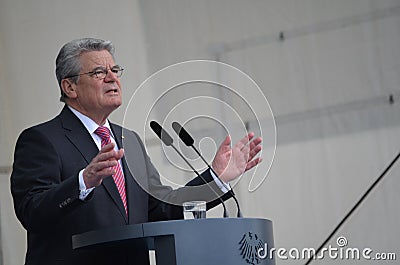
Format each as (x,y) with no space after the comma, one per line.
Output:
(103,132)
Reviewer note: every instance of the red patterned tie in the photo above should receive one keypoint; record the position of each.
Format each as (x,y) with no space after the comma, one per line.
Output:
(118,177)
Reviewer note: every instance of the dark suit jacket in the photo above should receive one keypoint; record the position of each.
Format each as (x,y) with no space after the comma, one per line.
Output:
(45,189)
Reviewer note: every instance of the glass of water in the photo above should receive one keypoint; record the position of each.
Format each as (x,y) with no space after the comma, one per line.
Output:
(194,210)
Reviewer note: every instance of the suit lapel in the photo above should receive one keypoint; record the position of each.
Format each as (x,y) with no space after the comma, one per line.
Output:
(77,134)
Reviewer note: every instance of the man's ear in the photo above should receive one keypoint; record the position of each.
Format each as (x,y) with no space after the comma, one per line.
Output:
(69,88)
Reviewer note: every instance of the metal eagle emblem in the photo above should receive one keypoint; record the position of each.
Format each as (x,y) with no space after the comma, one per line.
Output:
(249,245)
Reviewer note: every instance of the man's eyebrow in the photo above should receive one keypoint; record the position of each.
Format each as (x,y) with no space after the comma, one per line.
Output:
(99,68)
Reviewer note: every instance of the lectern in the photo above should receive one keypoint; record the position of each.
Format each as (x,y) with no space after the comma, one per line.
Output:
(189,242)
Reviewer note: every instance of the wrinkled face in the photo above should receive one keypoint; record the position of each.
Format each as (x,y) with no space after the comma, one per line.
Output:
(92,96)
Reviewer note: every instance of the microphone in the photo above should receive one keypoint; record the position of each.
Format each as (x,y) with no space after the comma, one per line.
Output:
(168,141)
(189,141)
(161,133)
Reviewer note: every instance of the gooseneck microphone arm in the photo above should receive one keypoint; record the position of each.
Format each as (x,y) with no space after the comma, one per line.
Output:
(168,141)
(189,141)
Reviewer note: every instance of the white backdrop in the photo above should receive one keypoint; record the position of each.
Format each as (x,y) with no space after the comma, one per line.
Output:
(327,68)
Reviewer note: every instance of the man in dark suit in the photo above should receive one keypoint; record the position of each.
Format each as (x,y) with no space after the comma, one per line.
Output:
(71,174)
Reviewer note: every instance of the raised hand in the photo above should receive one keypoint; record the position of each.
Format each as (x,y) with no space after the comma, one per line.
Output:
(102,165)
(229,163)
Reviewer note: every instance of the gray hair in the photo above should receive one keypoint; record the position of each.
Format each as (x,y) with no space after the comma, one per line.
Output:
(68,63)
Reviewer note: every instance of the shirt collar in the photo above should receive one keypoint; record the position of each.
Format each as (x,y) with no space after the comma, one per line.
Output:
(89,124)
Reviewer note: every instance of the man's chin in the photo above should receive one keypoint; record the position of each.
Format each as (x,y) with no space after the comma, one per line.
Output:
(116,105)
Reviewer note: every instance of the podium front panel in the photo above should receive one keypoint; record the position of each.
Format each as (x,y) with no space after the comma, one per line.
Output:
(211,241)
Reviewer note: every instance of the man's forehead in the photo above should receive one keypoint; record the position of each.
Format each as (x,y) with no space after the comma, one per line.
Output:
(96,58)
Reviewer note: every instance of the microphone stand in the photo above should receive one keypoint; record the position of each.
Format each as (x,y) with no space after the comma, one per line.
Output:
(189,141)
(239,213)
(168,141)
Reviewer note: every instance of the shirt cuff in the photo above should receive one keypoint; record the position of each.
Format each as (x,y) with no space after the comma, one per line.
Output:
(225,187)
(83,191)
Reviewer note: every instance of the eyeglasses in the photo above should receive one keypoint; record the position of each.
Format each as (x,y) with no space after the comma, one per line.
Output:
(101,72)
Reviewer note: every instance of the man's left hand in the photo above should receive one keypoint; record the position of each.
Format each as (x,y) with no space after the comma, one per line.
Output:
(229,163)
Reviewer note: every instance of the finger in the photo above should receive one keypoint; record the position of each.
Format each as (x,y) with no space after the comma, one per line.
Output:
(227,140)
(96,180)
(253,163)
(110,155)
(107,147)
(106,172)
(119,154)
(95,172)
(99,166)
(255,142)
(225,145)
(242,142)
(245,140)
(254,151)
(255,146)
(105,150)
(250,135)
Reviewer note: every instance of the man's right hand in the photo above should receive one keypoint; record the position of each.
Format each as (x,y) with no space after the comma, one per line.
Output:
(102,165)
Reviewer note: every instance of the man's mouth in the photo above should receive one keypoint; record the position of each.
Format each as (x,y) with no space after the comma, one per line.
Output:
(112,91)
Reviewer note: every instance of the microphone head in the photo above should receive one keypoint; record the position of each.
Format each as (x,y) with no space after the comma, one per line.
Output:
(183,134)
(161,133)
